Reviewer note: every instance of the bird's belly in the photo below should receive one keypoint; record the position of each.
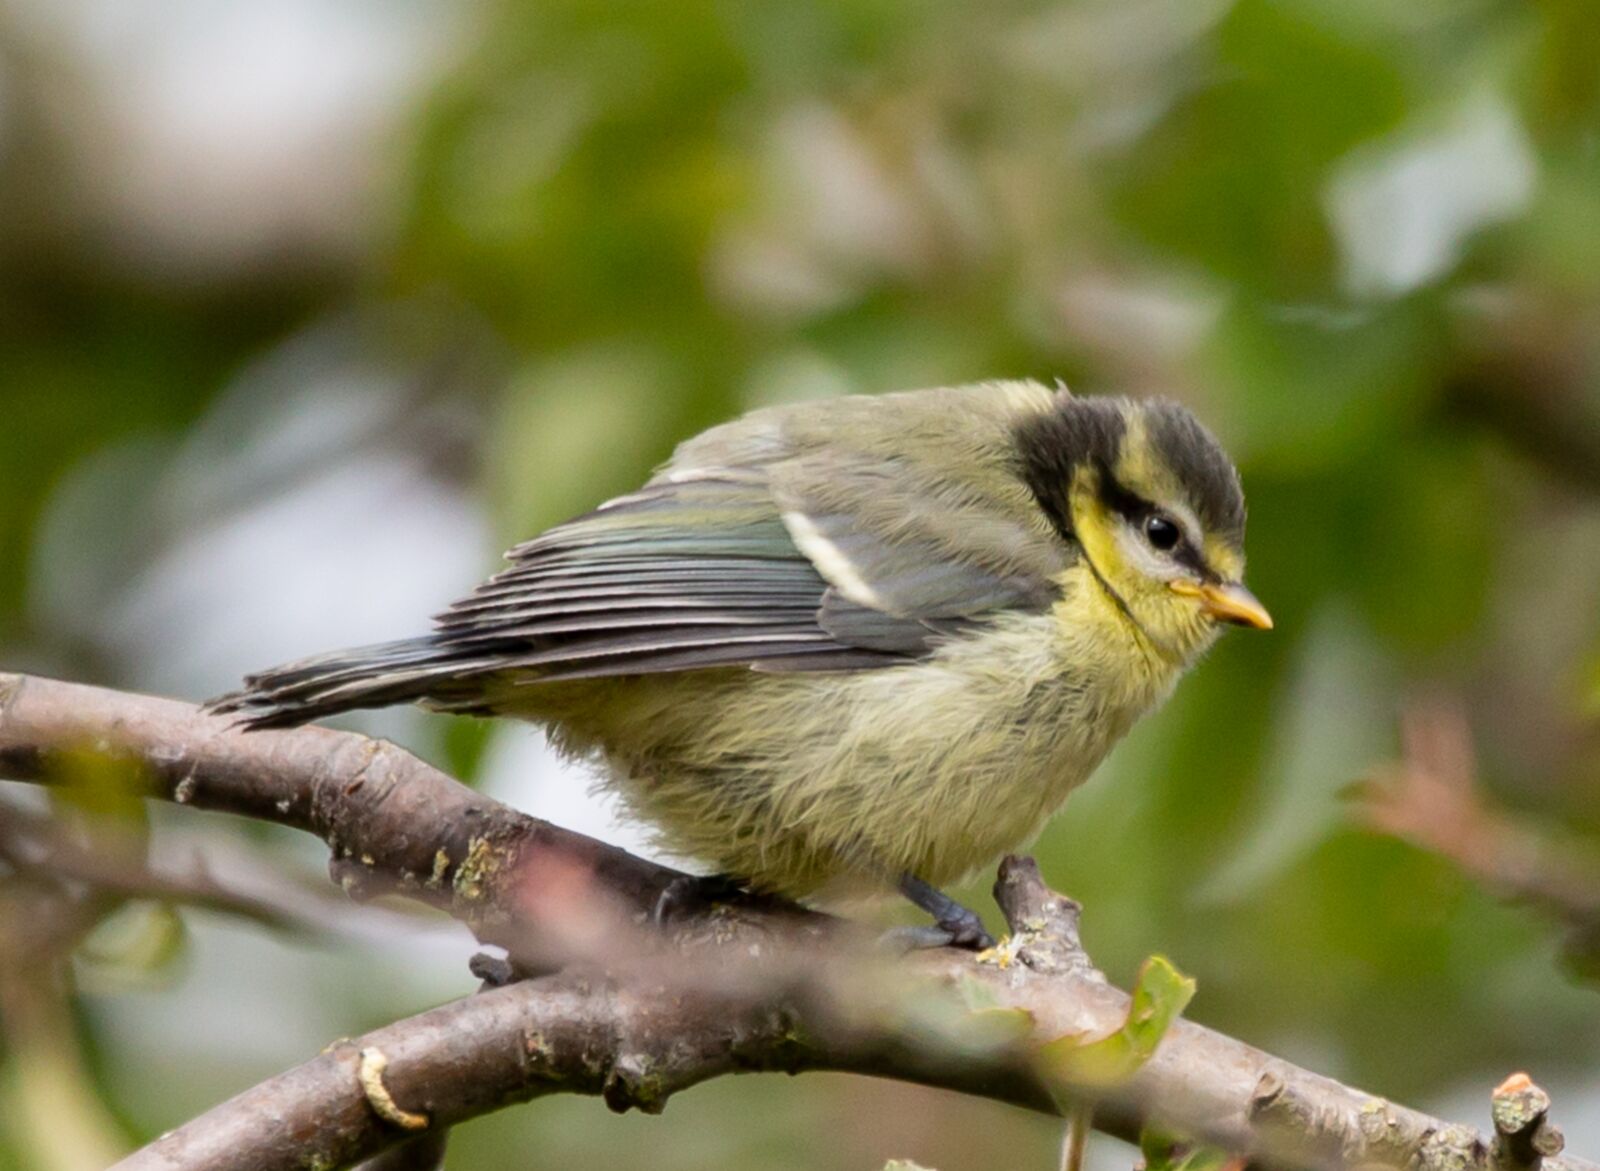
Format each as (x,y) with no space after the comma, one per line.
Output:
(805,781)
(988,784)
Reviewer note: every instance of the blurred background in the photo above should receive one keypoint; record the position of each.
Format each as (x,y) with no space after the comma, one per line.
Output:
(310,307)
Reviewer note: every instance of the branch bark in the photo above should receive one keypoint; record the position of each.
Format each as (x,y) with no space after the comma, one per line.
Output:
(393,823)
(791,992)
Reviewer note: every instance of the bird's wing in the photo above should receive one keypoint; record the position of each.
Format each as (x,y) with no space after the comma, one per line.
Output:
(674,577)
(761,567)
(909,551)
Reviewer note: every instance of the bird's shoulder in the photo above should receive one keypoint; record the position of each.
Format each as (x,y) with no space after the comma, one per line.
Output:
(891,482)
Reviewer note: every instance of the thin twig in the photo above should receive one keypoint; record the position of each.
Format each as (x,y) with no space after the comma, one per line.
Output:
(1432,798)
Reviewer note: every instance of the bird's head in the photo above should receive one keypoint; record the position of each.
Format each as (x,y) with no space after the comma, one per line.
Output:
(1155,506)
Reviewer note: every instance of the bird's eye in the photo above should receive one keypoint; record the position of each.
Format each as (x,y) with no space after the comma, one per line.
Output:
(1161,532)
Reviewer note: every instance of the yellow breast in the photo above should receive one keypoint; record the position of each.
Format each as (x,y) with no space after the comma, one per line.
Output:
(807,781)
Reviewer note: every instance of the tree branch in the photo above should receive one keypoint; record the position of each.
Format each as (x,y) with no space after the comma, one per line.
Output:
(392,822)
(751,988)
(113,859)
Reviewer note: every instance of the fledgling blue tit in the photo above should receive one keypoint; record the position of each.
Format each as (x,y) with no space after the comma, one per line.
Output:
(864,641)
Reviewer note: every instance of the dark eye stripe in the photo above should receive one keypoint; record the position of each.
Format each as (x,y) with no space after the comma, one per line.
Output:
(1136,508)
(1189,557)
(1129,504)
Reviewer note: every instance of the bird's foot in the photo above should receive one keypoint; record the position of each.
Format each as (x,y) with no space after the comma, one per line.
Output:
(961,925)
(495,971)
(691,894)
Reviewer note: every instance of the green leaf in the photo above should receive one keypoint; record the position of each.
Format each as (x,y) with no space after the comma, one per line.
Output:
(1159,997)
(1165,1152)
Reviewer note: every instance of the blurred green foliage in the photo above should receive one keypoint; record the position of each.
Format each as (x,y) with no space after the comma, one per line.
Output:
(1361,238)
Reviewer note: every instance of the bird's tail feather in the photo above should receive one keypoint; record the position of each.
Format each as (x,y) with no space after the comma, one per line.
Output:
(362,677)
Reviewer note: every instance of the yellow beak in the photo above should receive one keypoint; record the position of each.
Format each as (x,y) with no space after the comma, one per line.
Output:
(1227,602)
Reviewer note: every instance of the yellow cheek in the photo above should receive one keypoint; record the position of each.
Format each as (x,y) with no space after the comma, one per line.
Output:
(1094,527)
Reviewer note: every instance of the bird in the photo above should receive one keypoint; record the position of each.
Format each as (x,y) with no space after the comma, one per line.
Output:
(863,643)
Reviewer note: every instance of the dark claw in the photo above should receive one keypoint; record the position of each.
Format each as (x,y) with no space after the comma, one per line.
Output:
(966,930)
(962,924)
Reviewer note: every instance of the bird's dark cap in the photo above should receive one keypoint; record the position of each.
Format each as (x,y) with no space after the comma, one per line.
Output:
(1206,474)
(1092,431)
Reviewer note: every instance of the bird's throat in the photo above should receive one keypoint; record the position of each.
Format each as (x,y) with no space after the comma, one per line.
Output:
(1092,529)
(1111,593)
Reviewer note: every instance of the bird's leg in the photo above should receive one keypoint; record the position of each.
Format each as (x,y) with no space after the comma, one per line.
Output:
(960,923)
(690,893)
